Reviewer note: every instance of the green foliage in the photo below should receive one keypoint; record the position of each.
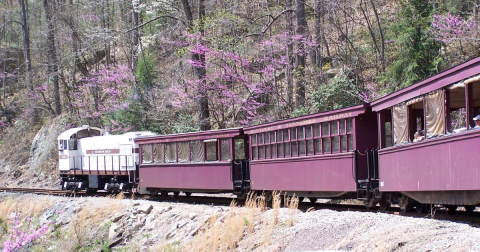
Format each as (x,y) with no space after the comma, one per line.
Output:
(341,92)
(301,111)
(418,56)
(135,117)
(145,72)
(185,123)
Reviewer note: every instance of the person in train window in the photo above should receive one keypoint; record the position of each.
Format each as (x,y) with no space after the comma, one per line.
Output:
(476,119)
(418,136)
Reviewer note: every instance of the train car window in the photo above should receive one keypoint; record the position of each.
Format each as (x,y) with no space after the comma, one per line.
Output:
(308,131)
(146,154)
(294,149)
(170,153)
(287,150)
(261,152)
(272,136)
(285,135)
(301,134)
(325,131)
(72,144)
(158,153)
(342,126)
(225,149)
(293,134)
(260,138)
(274,150)
(343,143)
(211,149)
(280,150)
(350,142)
(254,139)
(334,128)
(255,152)
(388,134)
(350,125)
(267,151)
(267,138)
(475,103)
(326,145)
(196,151)
(456,116)
(279,136)
(316,130)
(318,146)
(183,152)
(336,144)
(435,113)
(309,146)
(301,148)
(400,124)
(239,148)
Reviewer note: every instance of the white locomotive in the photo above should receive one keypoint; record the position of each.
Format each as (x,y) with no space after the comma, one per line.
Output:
(92,159)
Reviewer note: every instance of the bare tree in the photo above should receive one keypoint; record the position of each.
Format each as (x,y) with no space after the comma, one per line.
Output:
(26,40)
(52,56)
(202,102)
(300,57)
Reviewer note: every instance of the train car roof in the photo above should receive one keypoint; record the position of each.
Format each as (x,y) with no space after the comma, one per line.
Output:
(68,133)
(309,119)
(453,75)
(190,136)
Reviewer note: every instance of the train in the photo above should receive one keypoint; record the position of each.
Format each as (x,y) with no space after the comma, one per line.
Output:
(414,148)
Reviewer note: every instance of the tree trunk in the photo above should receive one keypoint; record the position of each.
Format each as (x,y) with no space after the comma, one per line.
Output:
(26,41)
(135,35)
(289,28)
(202,102)
(52,57)
(300,56)
(318,40)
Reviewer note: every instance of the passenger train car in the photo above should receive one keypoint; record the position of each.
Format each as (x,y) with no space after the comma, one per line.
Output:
(415,148)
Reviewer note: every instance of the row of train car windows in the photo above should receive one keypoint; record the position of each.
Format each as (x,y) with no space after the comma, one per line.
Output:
(321,138)
(325,145)
(192,151)
(333,128)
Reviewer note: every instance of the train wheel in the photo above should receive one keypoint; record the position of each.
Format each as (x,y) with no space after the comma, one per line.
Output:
(469,208)
(451,208)
(404,204)
(312,199)
(384,205)
(153,192)
(176,193)
(164,193)
(421,208)
(188,194)
(300,199)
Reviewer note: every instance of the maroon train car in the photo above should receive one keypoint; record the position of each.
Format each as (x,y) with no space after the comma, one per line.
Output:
(428,142)
(312,156)
(193,162)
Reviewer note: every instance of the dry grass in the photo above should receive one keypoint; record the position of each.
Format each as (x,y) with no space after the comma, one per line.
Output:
(292,204)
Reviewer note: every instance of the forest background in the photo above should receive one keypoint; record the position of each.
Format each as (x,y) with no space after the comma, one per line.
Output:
(178,66)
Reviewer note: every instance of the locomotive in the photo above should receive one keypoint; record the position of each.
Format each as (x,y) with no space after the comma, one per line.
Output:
(414,148)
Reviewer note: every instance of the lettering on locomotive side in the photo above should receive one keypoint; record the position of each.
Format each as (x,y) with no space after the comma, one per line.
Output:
(106,151)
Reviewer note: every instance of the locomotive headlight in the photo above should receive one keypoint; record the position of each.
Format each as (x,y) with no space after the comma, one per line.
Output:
(65,185)
(79,185)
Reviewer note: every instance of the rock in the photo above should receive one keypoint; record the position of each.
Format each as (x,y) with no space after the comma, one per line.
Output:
(145,209)
(192,216)
(17,174)
(165,209)
(117,217)
(112,232)
(181,224)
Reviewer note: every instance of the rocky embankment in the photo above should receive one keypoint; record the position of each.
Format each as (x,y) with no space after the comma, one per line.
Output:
(102,224)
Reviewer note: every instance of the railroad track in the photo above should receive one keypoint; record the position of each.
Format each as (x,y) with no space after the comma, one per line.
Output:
(472,218)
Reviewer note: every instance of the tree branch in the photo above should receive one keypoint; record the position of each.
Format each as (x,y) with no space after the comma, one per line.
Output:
(271,22)
(151,20)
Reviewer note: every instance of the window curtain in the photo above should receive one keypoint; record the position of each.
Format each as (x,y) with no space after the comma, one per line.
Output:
(170,153)
(183,152)
(197,151)
(158,153)
(146,153)
(400,124)
(434,111)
